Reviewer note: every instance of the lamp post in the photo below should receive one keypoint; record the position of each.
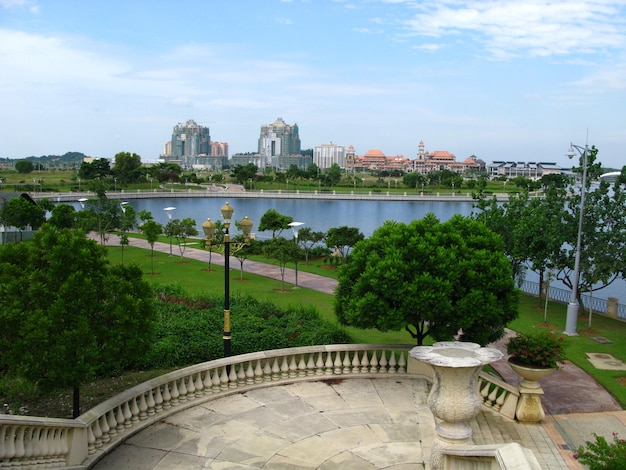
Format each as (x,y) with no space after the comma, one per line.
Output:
(572,307)
(82,202)
(209,230)
(295,226)
(168,211)
(114,185)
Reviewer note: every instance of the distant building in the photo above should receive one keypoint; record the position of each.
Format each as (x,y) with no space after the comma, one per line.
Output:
(325,155)
(190,145)
(278,140)
(375,159)
(428,162)
(532,170)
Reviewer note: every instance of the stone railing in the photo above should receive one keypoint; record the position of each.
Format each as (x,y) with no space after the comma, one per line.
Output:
(46,442)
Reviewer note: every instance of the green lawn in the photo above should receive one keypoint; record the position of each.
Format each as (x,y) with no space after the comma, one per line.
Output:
(194,277)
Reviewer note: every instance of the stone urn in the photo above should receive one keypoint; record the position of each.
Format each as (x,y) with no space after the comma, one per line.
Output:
(454,397)
(530,374)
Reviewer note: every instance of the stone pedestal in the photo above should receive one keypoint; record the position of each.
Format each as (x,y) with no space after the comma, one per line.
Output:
(529,408)
(454,397)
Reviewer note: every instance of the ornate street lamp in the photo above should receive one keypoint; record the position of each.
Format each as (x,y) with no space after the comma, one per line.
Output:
(295,226)
(572,307)
(209,231)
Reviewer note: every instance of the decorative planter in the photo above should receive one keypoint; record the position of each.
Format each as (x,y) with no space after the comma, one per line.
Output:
(454,397)
(529,408)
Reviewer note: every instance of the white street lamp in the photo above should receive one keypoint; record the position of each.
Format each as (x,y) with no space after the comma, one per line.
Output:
(572,307)
(295,226)
(82,202)
(168,211)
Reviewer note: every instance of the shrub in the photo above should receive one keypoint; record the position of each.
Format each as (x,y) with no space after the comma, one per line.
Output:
(544,349)
(602,455)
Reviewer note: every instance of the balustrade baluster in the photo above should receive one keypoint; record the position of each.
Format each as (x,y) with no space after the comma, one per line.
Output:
(158,400)
(356,363)
(500,400)
(402,363)
(29,443)
(284,369)
(97,433)
(191,388)
(310,365)
(374,363)
(151,402)
(329,363)
(112,422)
(346,369)
(268,371)
(6,442)
(207,382)
(167,396)
(64,446)
(58,446)
(232,377)
(249,374)
(484,392)
(105,427)
(241,376)
(319,364)
(91,441)
(224,379)
(128,415)
(42,446)
(119,419)
(392,362)
(215,381)
(258,373)
(337,363)
(383,362)
(135,410)
(182,391)
(142,408)
(199,385)
(301,367)
(293,368)
(275,369)
(365,363)
(19,442)
(174,392)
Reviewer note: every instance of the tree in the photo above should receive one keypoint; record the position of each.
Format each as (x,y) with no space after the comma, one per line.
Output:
(100,168)
(284,251)
(244,251)
(243,173)
(181,230)
(24,166)
(151,230)
(104,213)
(67,314)
(603,236)
(21,213)
(431,278)
(63,216)
(127,167)
(307,239)
(343,238)
(274,221)
(128,221)
(332,176)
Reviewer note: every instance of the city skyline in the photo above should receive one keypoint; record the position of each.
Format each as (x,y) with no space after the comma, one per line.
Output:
(506,80)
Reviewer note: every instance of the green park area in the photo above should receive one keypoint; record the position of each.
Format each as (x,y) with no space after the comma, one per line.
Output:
(197,280)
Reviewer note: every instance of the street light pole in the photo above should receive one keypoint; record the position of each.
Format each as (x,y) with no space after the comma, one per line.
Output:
(168,211)
(295,226)
(209,230)
(572,307)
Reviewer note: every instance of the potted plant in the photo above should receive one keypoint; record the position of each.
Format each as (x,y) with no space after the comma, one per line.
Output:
(535,355)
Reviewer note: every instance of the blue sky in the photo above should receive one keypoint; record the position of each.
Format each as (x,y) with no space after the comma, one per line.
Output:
(503,80)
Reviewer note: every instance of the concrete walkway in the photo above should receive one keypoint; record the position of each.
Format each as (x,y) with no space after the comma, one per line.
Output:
(358,423)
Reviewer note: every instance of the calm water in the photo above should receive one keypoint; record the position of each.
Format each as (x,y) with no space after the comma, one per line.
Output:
(320,215)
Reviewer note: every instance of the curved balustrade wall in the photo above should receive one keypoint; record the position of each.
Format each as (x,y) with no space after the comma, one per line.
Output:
(45,442)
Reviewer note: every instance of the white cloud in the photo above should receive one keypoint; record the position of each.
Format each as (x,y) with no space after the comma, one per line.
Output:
(534,28)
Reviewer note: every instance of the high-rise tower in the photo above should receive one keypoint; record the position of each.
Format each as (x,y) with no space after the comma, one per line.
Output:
(278,139)
(191,144)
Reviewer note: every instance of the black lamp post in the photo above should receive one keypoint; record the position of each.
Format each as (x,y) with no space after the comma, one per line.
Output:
(209,230)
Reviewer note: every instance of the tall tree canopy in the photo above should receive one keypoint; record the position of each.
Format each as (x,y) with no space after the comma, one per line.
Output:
(275,222)
(127,166)
(430,278)
(66,313)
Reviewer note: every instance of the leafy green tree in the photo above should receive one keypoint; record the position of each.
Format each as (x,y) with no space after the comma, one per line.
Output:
(164,172)
(243,173)
(431,278)
(127,167)
(181,230)
(343,239)
(275,222)
(100,168)
(603,236)
(63,216)
(307,239)
(332,176)
(413,180)
(284,251)
(67,314)
(245,250)
(21,213)
(104,214)
(24,166)
(151,229)
(128,221)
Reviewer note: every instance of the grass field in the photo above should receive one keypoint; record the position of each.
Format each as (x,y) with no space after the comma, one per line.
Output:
(193,276)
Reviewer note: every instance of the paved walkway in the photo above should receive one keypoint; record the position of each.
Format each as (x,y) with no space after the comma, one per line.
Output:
(356,423)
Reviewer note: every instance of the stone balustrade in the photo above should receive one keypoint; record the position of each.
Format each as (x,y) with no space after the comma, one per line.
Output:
(47,443)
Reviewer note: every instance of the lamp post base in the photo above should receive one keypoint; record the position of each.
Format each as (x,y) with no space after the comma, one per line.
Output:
(571,319)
